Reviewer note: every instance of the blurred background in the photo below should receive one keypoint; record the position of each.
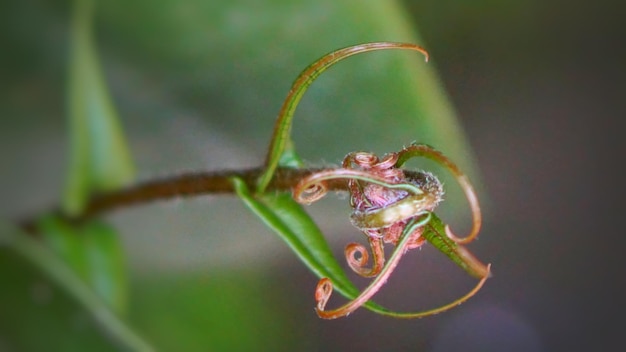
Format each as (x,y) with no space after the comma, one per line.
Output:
(535,90)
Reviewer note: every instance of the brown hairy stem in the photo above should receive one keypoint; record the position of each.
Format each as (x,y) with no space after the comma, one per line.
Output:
(183,185)
(186,185)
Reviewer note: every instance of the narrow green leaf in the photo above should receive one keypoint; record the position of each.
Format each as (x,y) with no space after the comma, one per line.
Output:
(435,234)
(283,215)
(294,226)
(95,255)
(100,159)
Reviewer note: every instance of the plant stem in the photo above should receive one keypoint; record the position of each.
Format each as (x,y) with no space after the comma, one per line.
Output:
(194,184)
(188,185)
(183,185)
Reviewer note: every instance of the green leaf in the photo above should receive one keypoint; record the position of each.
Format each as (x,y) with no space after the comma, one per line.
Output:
(435,234)
(106,264)
(94,253)
(66,242)
(38,314)
(287,219)
(294,226)
(100,160)
(233,62)
(232,310)
(45,260)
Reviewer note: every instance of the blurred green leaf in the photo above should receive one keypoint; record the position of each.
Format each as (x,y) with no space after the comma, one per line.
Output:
(106,264)
(205,80)
(100,159)
(66,242)
(94,253)
(37,314)
(234,62)
(234,310)
(60,275)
